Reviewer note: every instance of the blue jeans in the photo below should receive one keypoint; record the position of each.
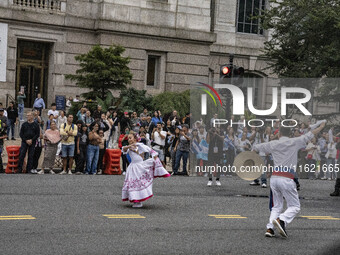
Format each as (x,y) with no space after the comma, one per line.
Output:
(92,158)
(21,111)
(179,155)
(67,150)
(10,127)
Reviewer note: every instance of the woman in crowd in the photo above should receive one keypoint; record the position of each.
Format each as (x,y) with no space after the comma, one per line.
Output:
(61,119)
(102,148)
(51,138)
(195,149)
(173,141)
(243,144)
(156,118)
(140,174)
(93,150)
(107,132)
(168,128)
(123,141)
(82,143)
(49,121)
(115,130)
(135,122)
(69,102)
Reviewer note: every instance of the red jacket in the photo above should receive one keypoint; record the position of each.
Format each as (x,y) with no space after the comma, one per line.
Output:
(121,139)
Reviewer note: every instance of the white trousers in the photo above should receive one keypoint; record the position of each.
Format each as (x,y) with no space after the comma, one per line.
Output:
(283,188)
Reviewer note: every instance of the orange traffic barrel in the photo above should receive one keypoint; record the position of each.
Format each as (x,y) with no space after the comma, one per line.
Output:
(13,152)
(112,161)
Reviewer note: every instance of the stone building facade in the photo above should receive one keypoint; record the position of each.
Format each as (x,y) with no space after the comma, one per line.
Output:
(171,43)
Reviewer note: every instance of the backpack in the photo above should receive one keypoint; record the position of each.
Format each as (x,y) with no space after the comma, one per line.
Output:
(72,126)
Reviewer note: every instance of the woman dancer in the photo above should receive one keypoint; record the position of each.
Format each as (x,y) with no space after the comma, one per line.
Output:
(140,174)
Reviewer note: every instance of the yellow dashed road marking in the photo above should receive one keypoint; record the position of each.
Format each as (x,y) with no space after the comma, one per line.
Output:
(123,216)
(17,217)
(222,216)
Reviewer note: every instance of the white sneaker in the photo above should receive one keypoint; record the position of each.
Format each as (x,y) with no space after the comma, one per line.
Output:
(63,172)
(218,183)
(52,172)
(41,172)
(209,183)
(69,172)
(100,172)
(137,205)
(124,173)
(254,183)
(33,171)
(264,185)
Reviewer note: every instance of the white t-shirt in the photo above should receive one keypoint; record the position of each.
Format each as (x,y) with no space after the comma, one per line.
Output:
(157,138)
(55,113)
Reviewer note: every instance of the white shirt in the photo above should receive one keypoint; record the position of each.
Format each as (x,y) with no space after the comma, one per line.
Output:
(331,153)
(157,138)
(285,150)
(55,113)
(61,120)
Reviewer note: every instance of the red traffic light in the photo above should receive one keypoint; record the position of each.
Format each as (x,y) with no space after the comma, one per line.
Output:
(225,70)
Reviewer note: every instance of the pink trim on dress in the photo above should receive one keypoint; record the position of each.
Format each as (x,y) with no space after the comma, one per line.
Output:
(163,176)
(137,201)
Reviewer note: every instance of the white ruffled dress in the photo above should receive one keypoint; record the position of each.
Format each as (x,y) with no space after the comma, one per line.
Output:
(140,174)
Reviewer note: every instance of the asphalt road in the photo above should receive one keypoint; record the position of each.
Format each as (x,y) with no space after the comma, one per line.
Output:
(70,215)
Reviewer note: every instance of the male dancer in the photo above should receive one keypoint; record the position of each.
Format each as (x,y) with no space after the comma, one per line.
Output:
(284,152)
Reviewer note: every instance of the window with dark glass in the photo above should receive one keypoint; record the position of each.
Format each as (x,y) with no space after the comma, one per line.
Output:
(247,10)
(152,71)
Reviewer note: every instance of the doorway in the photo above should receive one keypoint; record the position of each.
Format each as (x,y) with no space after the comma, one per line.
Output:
(32,70)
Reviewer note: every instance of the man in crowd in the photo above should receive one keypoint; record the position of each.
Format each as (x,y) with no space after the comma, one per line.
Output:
(20,98)
(144,114)
(12,119)
(39,104)
(53,111)
(29,133)
(97,114)
(125,121)
(68,131)
(158,136)
(182,149)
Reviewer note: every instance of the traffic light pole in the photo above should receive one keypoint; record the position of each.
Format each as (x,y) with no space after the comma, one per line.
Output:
(228,95)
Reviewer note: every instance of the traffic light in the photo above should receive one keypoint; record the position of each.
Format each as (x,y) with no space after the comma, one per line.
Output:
(226,71)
